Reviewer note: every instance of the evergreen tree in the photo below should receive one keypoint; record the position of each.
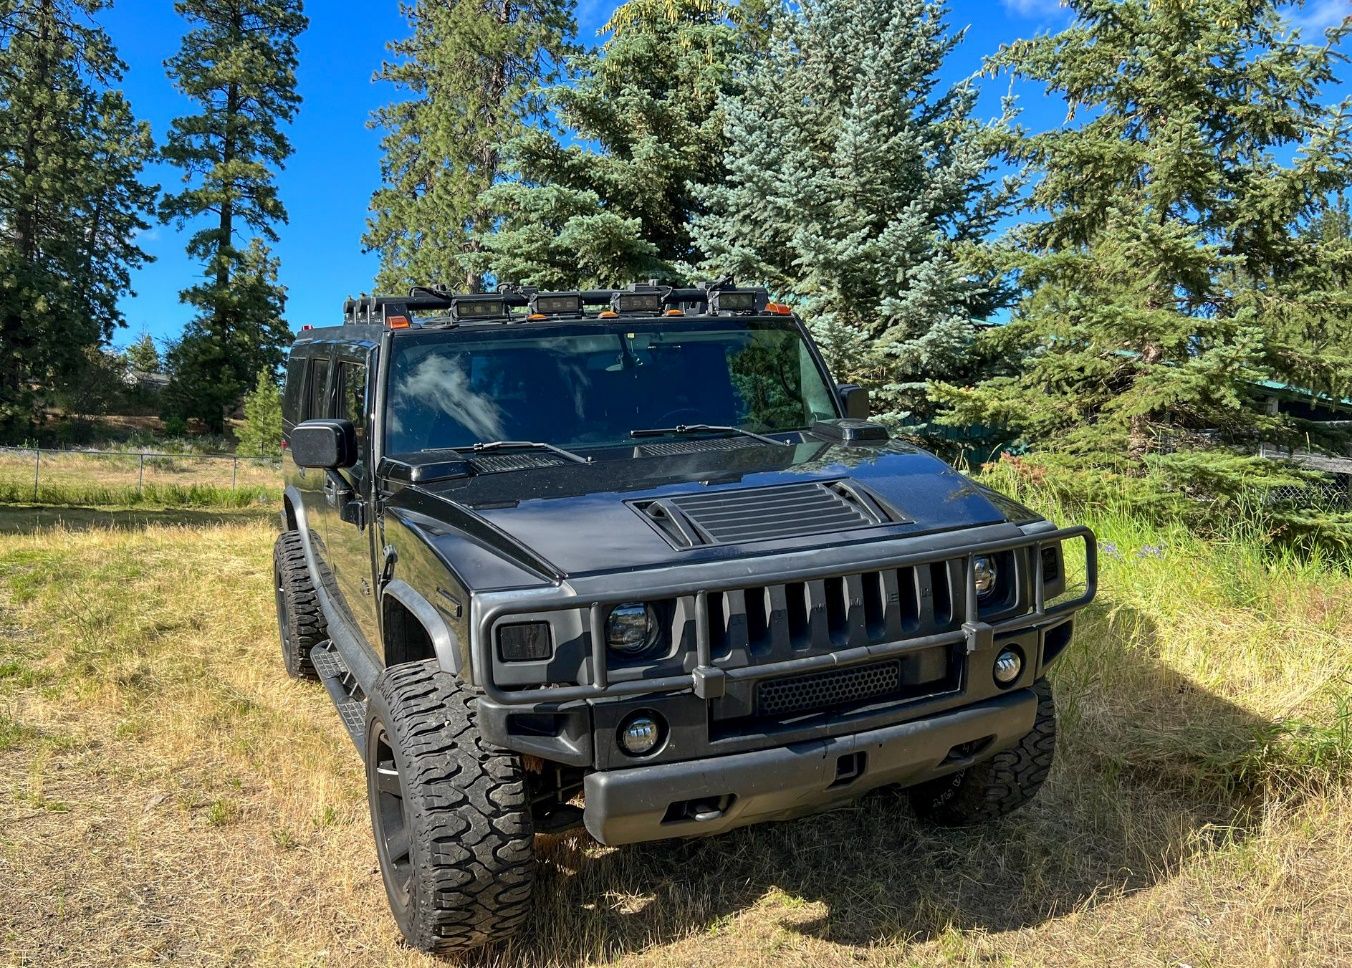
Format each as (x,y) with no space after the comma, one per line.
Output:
(1310,304)
(261,434)
(860,189)
(71,199)
(143,356)
(614,202)
(474,73)
(205,364)
(238,64)
(1170,245)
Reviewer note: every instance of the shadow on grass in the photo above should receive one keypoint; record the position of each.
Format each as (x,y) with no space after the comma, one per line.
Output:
(1147,776)
(31,518)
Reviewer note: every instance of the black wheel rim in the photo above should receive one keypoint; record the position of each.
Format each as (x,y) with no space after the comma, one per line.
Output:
(390,818)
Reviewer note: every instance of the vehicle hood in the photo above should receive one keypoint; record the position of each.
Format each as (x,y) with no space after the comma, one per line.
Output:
(573,519)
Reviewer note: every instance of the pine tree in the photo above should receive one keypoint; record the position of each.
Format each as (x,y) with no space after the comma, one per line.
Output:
(1310,305)
(859,188)
(238,64)
(143,356)
(612,201)
(1169,245)
(474,73)
(261,434)
(205,364)
(72,202)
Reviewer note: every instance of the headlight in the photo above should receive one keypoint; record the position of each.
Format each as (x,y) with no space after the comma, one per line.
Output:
(632,629)
(986,575)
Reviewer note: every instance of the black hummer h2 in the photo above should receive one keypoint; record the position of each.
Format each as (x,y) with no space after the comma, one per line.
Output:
(630,560)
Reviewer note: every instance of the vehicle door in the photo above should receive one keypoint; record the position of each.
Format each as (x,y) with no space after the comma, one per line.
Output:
(349,531)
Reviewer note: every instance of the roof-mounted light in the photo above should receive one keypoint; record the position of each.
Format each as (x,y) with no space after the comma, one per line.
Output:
(731,302)
(637,302)
(778,309)
(556,304)
(478,307)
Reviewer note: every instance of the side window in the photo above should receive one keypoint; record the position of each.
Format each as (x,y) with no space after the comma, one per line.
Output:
(317,394)
(295,383)
(352,400)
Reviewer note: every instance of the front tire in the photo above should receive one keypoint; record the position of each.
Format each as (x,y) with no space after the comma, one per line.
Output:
(449,811)
(996,787)
(300,621)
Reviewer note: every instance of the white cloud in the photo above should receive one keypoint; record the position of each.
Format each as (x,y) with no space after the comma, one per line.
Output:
(1316,16)
(1033,9)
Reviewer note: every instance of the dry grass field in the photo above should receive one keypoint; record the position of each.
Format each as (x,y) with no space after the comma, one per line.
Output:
(168,796)
(114,478)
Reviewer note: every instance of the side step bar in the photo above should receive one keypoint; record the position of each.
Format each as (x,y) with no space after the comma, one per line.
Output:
(344,690)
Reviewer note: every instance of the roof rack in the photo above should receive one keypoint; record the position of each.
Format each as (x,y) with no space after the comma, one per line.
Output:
(721,298)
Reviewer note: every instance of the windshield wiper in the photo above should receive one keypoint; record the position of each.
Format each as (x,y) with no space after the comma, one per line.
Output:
(683,429)
(529,445)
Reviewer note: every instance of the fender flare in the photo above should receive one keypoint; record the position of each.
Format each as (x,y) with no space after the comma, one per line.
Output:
(445,643)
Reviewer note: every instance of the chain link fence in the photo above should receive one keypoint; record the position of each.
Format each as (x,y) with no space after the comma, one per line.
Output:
(42,475)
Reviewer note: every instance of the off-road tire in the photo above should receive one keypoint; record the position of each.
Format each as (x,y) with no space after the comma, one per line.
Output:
(465,876)
(300,621)
(996,787)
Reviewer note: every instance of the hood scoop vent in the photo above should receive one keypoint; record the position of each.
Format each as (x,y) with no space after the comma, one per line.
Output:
(674,448)
(765,513)
(501,463)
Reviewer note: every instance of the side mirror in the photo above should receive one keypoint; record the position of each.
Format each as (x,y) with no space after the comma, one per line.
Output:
(324,444)
(854,400)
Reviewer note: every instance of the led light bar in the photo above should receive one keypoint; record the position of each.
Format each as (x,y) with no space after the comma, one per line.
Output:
(478,307)
(734,301)
(556,304)
(637,303)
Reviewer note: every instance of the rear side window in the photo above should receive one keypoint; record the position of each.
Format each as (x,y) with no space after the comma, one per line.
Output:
(352,399)
(295,383)
(317,394)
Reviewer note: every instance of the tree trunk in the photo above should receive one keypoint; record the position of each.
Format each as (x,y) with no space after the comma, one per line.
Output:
(1139,437)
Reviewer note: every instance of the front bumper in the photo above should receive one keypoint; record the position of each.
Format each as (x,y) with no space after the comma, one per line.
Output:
(703,797)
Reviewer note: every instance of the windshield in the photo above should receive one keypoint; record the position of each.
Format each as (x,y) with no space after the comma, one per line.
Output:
(590,384)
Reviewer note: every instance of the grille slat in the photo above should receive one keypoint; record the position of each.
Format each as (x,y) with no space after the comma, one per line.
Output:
(774,622)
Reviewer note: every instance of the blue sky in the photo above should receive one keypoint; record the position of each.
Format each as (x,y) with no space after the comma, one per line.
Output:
(328,182)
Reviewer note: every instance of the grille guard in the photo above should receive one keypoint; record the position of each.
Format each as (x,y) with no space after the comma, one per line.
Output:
(708,681)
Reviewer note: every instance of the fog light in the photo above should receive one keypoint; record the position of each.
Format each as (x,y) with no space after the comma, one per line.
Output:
(1008,667)
(640,734)
(984,575)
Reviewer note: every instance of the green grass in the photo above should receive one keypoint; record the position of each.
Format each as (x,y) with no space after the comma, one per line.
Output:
(150,495)
(180,799)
